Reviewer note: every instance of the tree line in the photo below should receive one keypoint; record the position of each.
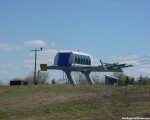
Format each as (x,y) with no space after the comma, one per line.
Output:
(41,78)
(124,79)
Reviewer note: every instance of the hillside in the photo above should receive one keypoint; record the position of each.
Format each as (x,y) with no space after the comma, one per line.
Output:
(65,102)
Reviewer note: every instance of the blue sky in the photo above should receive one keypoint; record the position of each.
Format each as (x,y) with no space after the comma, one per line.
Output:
(111,30)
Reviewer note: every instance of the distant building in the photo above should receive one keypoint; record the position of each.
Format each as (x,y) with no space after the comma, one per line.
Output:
(18,82)
(110,80)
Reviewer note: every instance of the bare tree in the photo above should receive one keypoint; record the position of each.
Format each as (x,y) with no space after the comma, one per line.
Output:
(41,78)
(143,80)
(29,79)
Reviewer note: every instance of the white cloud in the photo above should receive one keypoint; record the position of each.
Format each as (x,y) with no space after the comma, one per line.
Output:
(45,57)
(6,47)
(37,43)
(16,75)
(28,64)
(144,70)
(48,54)
(136,71)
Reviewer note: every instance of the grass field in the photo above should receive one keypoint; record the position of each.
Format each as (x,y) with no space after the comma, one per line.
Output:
(66,102)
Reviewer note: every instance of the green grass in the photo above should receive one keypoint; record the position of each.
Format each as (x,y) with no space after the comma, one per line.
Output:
(66,102)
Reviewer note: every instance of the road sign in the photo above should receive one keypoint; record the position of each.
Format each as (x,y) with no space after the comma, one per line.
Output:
(43,67)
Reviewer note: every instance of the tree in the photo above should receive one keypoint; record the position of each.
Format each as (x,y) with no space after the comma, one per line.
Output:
(124,79)
(41,78)
(121,77)
(143,80)
(132,81)
(127,81)
(29,79)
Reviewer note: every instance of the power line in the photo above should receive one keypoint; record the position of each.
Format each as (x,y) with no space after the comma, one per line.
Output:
(144,63)
(136,58)
(141,61)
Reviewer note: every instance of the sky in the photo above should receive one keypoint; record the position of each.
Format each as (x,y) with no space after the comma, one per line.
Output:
(110,30)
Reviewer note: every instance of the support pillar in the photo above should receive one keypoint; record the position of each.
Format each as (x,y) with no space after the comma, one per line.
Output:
(87,76)
(71,80)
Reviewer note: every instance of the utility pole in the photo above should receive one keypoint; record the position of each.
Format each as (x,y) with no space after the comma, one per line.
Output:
(35,50)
